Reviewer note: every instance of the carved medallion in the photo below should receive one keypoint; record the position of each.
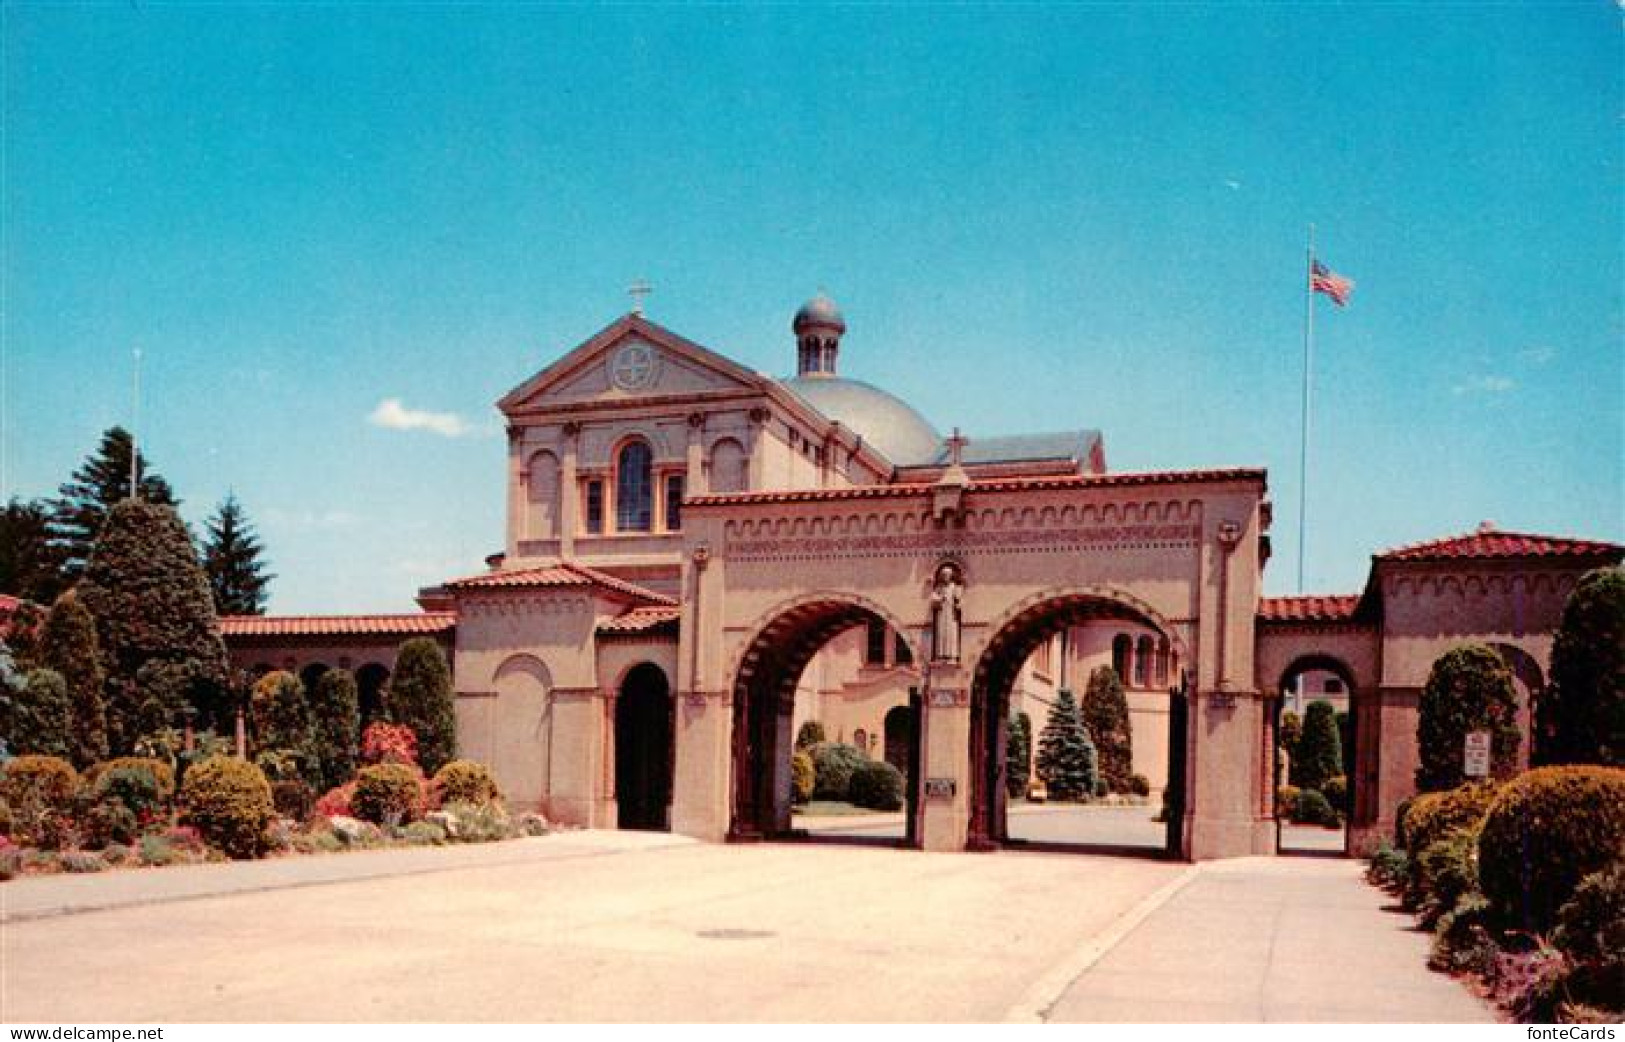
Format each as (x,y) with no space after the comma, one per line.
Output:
(634,367)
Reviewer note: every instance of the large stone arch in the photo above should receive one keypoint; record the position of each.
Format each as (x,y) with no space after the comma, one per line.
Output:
(764,671)
(1007,642)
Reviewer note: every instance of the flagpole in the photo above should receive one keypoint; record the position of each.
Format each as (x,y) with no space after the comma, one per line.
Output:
(135,429)
(1308,364)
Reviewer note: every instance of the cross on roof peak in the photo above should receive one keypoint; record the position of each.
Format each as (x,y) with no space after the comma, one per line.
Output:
(637,291)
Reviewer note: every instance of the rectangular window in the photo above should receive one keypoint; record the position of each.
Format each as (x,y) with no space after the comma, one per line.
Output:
(595,507)
(900,653)
(874,650)
(674,502)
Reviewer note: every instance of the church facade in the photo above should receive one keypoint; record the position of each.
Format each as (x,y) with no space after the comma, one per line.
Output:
(700,558)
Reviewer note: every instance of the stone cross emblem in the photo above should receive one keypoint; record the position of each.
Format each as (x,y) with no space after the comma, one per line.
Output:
(633,367)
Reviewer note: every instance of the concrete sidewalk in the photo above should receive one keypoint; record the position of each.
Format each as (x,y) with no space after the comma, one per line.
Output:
(1271,940)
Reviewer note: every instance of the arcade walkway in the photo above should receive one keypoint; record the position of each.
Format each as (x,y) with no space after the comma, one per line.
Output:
(595,926)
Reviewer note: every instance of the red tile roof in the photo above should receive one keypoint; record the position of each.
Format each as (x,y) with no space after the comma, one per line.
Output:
(1489,542)
(904,489)
(564,574)
(1333,607)
(419,624)
(649,619)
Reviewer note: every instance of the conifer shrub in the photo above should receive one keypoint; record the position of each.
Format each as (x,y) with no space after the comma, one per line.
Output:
(388,794)
(1066,755)
(877,785)
(810,734)
(1545,831)
(68,645)
(1286,799)
(1432,815)
(134,787)
(1591,933)
(336,723)
(1106,719)
(39,792)
(229,802)
(465,781)
(421,697)
(293,798)
(1581,715)
(1336,791)
(1468,689)
(833,766)
(802,776)
(282,718)
(162,773)
(1448,872)
(1018,745)
(1319,753)
(41,718)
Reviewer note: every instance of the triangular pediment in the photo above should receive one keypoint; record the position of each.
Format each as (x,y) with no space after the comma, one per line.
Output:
(629,359)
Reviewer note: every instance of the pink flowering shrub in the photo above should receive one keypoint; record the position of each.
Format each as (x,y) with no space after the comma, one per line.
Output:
(335,803)
(389,743)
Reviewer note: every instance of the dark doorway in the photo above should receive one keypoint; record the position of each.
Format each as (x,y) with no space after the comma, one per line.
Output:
(643,748)
(370,682)
(1315,823)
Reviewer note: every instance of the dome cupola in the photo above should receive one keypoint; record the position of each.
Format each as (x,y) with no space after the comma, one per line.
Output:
(818,327)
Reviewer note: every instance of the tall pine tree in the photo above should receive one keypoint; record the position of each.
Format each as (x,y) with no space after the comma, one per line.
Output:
(1066,756)
(69,646)
(28,562)
(231,558)
(1105,717)
(155,622)
(100,483)
(420,697)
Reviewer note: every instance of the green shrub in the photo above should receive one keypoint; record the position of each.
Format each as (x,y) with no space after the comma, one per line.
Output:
(1387,867)
(468,823)
(1582,712)
(155,850)
(802,776)
(1066,755)
(1546,830)
(420,696)
(162,773)
(424,834)
(1468,689)
(117,853)
(1591,932)
(877,785)
(293,798)
(1311,808)
(464,781)
(1018,749)
(1462,942)
(1319,753)
(81,861)
(336,725)
(107,820)
(41,719)
(1448,873)
(1286,799)
(1105,716)
(1139,785)
(811,734)
(229,802)
(388,794)
(1431,815)
(1336,791)
(137,788)
(833,765)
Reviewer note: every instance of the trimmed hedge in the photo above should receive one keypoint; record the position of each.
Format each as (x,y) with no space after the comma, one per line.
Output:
(1468,689)
(1311,808)
(877,785)
(1336,791)
(464,781)
(162,772)
(388,794)
(1548,829)
(229,801)
(1431,815)
(833,766)
(47,779)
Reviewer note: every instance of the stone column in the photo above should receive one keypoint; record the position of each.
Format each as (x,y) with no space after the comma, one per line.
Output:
(518,481)
(946,763)
(569,491)
(1396,760)
(577,797)
(757,447)
(702,776)
(695,481)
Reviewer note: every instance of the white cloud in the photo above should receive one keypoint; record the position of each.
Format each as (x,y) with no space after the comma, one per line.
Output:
(1539,354)
(1485,385)
(391,414)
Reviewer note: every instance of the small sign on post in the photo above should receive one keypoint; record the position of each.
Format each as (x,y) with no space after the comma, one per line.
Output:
(1476,755)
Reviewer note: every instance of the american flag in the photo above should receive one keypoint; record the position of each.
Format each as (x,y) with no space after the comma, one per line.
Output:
(1324,280)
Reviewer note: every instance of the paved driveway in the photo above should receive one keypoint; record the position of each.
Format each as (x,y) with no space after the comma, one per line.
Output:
(614,926)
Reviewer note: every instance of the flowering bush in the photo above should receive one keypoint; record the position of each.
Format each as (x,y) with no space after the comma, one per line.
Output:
(389,743)
(335,803)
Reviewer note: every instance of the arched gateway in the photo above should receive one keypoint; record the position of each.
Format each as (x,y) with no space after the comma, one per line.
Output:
(770,577)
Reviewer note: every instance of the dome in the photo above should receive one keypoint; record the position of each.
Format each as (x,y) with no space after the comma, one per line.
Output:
(881,419)
(819,311)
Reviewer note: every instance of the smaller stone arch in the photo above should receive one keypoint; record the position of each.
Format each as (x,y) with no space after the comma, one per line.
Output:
(1529,680)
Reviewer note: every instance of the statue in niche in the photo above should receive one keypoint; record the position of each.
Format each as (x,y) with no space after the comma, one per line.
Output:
(947,589)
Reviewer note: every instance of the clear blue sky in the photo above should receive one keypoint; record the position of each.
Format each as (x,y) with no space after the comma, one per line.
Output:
(1034,217)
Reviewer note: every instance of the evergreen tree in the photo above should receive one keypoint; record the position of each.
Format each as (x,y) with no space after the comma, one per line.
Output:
(1291,732)
(335,705)
(23,630)
(12,684)
(231,557)
(1105,717)
(420,697)
(100,483)
(1066,756)
(42,719)
(1582,712)
(68,645)
(155,623)
(28,563)
(1018,745)
(1319,750)
(282,719)
(1468,689)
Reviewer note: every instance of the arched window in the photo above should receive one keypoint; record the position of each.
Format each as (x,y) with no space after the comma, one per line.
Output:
(1142,662)
(860,738)
(1122,652)
(634,488)
(1162,662)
